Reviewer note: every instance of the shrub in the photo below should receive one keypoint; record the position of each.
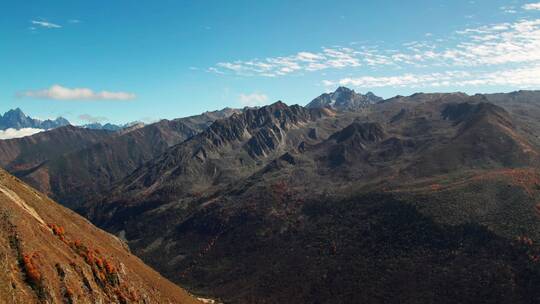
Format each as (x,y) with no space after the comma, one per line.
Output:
(57,230)
(32,273)
(109,267)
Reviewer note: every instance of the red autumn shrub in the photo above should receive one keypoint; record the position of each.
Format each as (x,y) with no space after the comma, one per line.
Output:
(109,267)
(99,262)
(30,269)
(57,230)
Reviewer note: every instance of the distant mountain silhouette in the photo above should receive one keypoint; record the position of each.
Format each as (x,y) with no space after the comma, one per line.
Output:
(16,119)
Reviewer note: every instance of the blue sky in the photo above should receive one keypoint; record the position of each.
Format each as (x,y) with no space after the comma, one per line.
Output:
(122,61)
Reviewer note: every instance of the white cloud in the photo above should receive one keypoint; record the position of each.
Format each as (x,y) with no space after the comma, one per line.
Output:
(253,99)
(336,58)
(532,6)
(497,44)
(525,77)
(13,133)
(509,9)
(58,92)
(46,24)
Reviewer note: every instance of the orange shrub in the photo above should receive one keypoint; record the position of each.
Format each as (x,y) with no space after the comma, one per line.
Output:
(68,294)
(89,257)
(30,269)
(57,230)
(99,262)
(109,267)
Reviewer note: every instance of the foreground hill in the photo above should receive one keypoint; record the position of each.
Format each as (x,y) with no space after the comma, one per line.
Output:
(417,199)
(51,255)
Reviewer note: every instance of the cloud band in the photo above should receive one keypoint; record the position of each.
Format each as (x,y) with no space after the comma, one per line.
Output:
(58,92)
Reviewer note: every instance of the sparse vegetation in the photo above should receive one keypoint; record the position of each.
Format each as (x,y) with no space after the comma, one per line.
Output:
(33,275)
(104,271)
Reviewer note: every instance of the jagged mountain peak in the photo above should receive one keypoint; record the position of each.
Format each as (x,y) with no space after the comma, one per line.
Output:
(15,115)
(222,152)
(344,99)
(277,113)
(16,119)
(343,90)
(263,127)
(17,111)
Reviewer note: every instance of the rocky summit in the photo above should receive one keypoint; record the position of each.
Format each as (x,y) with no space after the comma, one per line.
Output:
(344,99)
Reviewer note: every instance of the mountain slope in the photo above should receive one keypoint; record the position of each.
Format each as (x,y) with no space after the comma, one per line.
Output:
(228,150)
(485,137)
(367,249)
(341,198)
(54,256)
(28,152)
(73,172)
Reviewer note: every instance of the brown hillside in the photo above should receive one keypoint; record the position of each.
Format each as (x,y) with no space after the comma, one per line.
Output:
(51,255)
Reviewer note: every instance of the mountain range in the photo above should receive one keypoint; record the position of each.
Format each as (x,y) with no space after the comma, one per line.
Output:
(110,126)
(351,199)
(69,163)
(16,119)
(304,201)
